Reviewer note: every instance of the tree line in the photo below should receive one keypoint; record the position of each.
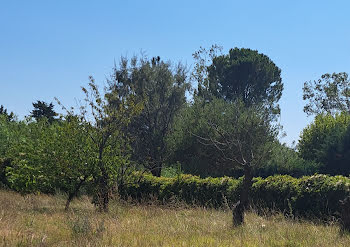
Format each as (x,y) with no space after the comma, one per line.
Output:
(219,118)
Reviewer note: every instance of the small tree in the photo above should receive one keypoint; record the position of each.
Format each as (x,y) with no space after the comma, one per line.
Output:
(29,151)
(72,162)
(46,157)
(243,136)
(326,141)
(106,123)
(329,94)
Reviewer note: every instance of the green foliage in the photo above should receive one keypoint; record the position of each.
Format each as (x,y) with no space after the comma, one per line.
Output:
(308,196)
(28,154)
(276,192)
(286,161)
(215,138)
(4,135)
(195,157)
(242,74)
(3,112)
(81,226)
(329,94)
(73,161)
(190,189)
(67,155)
(172,170)
(321,194)
(105,123)
(46,157)
(43,110)
(160,87)
(326,141)
(8,130)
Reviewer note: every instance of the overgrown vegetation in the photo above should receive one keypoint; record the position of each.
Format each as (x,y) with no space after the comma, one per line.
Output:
(149,120)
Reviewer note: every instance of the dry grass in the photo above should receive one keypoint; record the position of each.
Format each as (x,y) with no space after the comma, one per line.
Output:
(41,221)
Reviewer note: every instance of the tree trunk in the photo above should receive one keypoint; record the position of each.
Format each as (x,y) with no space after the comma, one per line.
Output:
(242,205)
(157,171)
(70,198)
(345,214)
(103,196)
(74,194)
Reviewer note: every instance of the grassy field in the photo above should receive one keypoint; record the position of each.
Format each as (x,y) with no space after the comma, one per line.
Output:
(39,220)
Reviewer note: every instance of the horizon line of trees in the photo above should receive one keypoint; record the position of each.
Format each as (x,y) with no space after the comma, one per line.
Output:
(143,121)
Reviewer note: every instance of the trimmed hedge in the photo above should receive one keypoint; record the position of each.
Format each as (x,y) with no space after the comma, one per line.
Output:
(212,192)
(316,195)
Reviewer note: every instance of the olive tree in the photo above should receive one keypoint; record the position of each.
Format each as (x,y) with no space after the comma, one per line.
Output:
(242,136)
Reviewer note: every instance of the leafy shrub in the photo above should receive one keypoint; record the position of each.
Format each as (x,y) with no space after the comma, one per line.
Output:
(327,141)
(275,192)
(190,189)
(172,170)
(81,225)
(320,194)
(315,196)
(286,161)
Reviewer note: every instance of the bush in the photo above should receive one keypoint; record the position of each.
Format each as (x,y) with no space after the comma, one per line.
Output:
(320,195)
(327,141)
(286,161)
(212,192)
(308,196)
(275,192)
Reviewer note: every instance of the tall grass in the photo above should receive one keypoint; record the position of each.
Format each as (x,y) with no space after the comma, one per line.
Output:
(40,220)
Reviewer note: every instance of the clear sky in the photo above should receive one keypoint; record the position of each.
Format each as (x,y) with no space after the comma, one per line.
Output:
(49,48)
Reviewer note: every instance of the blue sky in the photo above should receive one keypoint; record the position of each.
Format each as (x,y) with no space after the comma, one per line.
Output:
(49,48)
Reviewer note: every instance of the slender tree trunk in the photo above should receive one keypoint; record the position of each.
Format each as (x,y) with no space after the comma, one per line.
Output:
(243,204)
(73,194)
(247,185)
(103,195)
(156,171)
(70,198)
(345,214)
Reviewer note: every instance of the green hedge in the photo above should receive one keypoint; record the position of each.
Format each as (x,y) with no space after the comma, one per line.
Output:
(316,195)
(211,192)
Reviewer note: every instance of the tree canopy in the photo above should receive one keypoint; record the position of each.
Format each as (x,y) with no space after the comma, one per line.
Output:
(329,94)
(239,136)
(326,141)
(43,109)
(160,87)
(9,115)
(243,74)
(110,145)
